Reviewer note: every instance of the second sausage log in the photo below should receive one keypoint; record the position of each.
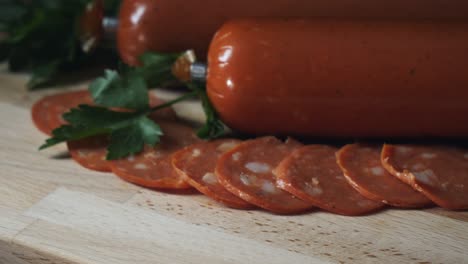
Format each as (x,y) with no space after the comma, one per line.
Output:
(341,78)
(178,25)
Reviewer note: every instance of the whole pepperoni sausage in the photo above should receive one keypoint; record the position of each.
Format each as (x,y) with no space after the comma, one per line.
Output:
(439,172)
(178,25)
(362,168)
(341,78)
(247,172)
(312,174)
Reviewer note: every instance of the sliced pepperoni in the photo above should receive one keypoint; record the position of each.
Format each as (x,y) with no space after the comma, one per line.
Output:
(312,174)
(90,153)
(152,168)
(439,172)
(246,171)
(42,111)
(196,165)
(40,114)
(362,168)
(63,102)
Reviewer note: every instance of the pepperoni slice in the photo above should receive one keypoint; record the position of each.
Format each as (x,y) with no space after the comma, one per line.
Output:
(362,168)
(196,165)
(439,172)
(311,173)
(246,171)
(42,111)
(90,153)
(40,114)
(63,102)
(152,168)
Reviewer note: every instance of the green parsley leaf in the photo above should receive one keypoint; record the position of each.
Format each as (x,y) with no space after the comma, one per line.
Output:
(43,74)
(43,36)
(129,91)
(130,131)
(157,68)
(99,117)
(86,121)
(11,10)
(213,127)
(131,139)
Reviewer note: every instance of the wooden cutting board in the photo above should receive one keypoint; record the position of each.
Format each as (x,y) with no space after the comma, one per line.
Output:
(54,211)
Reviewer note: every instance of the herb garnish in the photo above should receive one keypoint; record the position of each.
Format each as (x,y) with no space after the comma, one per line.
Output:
(130,131)
(43,36)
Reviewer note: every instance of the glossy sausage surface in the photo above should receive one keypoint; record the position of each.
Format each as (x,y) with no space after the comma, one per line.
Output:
(341,78)
(178,25)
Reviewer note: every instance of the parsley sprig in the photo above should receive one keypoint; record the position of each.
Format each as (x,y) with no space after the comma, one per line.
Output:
(130,131)
(43,36)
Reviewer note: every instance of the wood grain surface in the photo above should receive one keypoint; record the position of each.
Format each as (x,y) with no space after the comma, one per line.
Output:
(54,211)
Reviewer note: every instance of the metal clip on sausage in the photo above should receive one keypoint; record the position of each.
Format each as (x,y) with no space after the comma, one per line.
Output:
(198,71)
(95,28)
(187,69)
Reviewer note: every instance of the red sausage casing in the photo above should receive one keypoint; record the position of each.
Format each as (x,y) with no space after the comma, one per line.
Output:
(178,25)
(341,78)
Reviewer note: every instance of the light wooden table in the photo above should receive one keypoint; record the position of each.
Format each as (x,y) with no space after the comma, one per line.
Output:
(54,211)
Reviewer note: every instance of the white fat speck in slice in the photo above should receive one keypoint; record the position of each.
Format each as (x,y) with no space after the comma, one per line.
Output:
(314,190)
(339,177)
(281,184)
(140,166)
(377,171)
(196,152)
(82,153)
(418,167)
(131,158)
(465,156)
(460,186)
(152,155)
(426,176)
(258,167)
(209,178)
(226,146)
(428,155)
(247,179)
(236,156)
(315,181)
(268,187)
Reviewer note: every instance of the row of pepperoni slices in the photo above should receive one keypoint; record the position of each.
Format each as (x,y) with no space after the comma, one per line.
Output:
(281,177)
